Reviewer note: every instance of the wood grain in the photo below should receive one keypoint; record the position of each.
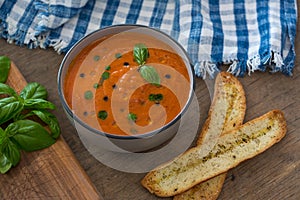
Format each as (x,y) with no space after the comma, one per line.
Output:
(51,173)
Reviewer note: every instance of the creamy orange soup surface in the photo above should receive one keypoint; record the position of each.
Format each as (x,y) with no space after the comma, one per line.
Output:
(105,89)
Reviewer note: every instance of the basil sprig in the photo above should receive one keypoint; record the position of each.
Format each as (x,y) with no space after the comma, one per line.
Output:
(149,73)
(18,131)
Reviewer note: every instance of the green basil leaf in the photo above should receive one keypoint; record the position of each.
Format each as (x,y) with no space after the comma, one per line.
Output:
(2,136)
(34,91)
(102,114)
(38,104)
(14,127)
(105,75)
(5,164)
(3,139)
(88,95)
(12,153)
(5,89)
(140,53)
(50,120)
(29,135)
(107,67)
(156,97)
(150,74)
(4,68)
(132,117)
(9,108)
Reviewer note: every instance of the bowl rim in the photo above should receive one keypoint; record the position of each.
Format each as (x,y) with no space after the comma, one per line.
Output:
(111,135)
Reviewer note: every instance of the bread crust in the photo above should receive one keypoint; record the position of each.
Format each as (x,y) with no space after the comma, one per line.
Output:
(235,146)
(229,89)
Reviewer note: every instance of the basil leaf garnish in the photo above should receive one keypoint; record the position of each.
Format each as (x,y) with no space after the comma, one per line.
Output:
(140,53)
(156,97)
(88,95)
(102,114)
(4,68)
(150,74)
(105,75)
(132,117)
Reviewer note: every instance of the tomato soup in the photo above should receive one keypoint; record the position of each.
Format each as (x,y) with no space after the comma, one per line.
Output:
(105,88)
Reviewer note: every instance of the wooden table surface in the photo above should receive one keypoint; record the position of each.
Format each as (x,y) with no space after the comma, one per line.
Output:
(275,174)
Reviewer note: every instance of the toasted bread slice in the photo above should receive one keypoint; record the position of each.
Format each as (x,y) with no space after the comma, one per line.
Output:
(210,159)
(226,112)
(207,190)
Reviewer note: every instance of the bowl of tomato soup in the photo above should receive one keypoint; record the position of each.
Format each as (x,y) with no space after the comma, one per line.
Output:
(125,87)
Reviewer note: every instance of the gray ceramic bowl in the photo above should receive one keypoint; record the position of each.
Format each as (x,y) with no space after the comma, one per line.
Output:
(93,138)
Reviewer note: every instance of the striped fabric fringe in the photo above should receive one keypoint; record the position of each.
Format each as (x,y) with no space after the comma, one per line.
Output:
(248,35)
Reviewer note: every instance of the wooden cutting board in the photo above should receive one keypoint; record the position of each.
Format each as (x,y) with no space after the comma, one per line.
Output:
(51,173)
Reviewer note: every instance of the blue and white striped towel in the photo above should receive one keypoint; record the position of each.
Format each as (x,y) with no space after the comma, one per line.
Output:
(248,35)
